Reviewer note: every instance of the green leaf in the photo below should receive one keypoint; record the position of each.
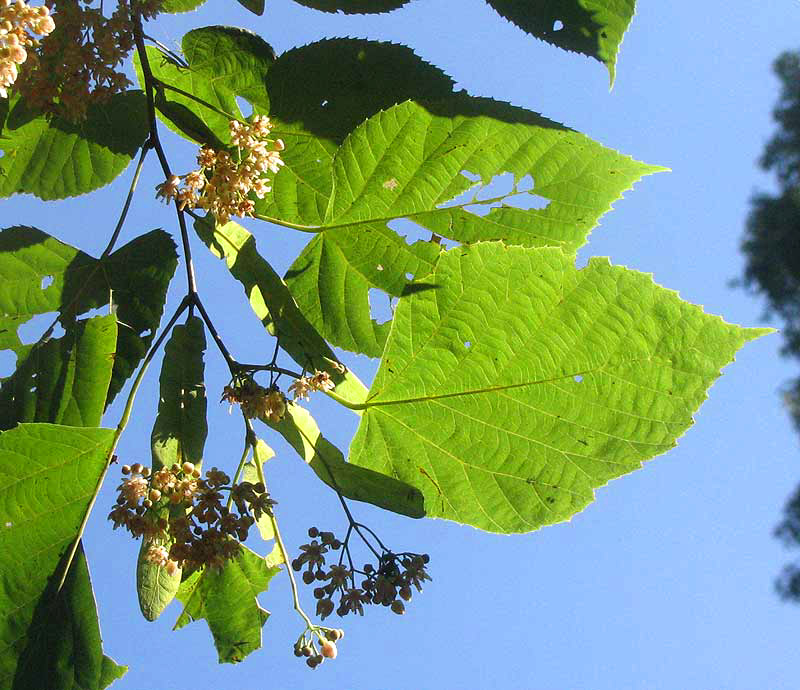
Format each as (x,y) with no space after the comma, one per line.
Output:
(54,159)
(48,475)
(255,6)
(409,161)
(519,385)
(63,380)
(261,454)
(180,430)
(133,280)
(178,6)
(64,649)
(302,433)
(273,305)
(226,598)
(591,27)
(354,6)
(331,279)
(223,63)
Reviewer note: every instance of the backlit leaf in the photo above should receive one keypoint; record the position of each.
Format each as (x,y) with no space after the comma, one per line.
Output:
(521,384)
(226,598)
(54,159)
(48,474)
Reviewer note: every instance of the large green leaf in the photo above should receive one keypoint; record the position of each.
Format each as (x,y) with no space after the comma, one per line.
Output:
(226,598)
(63,380)
(64,649)
(273,305)
(178,6)
(48,474)
(409,161)
(223,63)
(519,385)
(592,27)
(302,433)
(54,159)
(39,275)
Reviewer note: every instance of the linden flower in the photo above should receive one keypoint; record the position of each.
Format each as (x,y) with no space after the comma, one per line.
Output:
(223,183)
(17,22)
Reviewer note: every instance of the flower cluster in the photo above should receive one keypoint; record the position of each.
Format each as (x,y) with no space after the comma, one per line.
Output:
(255,400)
(224,181)
(306,645)
(320,381)
(176,508)
(80,63)
(17,22)
(387,583)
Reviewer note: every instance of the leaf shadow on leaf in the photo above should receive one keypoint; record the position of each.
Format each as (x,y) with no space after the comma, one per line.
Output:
(63,643)
(120,124)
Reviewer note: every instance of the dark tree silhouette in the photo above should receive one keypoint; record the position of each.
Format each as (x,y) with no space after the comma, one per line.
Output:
(772,250)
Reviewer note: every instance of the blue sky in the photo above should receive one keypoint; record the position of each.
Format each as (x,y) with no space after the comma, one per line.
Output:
(665,581)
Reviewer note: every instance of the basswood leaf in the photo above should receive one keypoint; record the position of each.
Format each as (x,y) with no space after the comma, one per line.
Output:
(261,454)
(255,6)
(354,6)
(226,598)
(178,436)
(39,275)
(519,385)
(48,474)
(63,380)
(411,161)
(331,279)
(591,27)
(178,6)
(223,63)
(64,649)
(54,159)
(302,433)
(272,303)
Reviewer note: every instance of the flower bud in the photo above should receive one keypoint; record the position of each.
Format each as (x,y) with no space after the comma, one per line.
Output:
(329,650)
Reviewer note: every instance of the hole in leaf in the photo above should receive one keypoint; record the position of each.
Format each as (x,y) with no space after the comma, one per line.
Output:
(380,306)
(577,378)
(8,362)
(379,267)
(472,177)
(409,276)
(32,330)
(468,344)
(244,106)
(558,25)
(324,103)
(525,183)
(47,281)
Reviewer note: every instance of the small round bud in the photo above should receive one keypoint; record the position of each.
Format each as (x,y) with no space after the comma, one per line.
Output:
(298,651)
(297,564)
(154,495)
(405,592)
(308,577)
(259,488)
(321,575)
(319,592)
(187,468)
(196,473)
(306,650)
(329,650)
(398,607)
(313,532)
(147,503)
(145,471)
(126,469)
(336,545)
